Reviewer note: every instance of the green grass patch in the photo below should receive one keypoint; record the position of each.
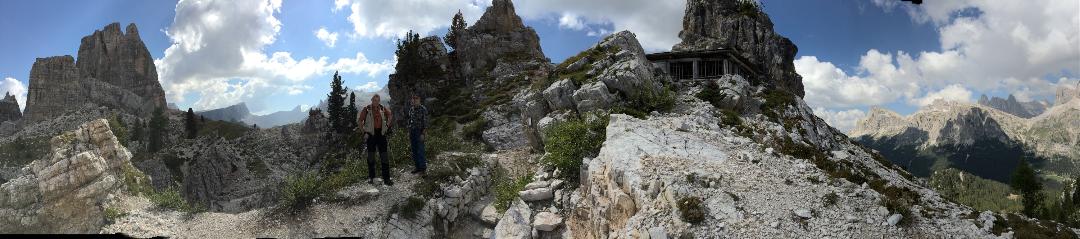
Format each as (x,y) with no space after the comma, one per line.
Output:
(112,213)
(410,208)
(830,199)
(170,198)
(567,142)
(506,189)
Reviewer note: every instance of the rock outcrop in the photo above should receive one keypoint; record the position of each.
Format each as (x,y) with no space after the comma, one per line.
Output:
(114,70)
(1012,106)
(436,87)
(121,59)
(739,25)
(9,108)
(1066,93)
(68,190)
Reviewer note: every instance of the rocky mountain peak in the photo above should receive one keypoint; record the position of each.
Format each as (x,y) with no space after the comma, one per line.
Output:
(499,17)
(741,25)
(1065,93)
(114,70)
(1012,106)
(121,59)
(9,108)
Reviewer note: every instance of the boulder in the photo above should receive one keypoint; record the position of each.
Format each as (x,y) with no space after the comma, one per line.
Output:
(803,213)
(737,92)
(594,96)
(894,219)
(69,190)
(515,223)
(559,95)
(547,221)
(490,215)
(536,194)
(628,72)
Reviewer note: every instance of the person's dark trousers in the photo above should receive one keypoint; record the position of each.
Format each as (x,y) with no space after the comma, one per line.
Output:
(377,142)
(417,145)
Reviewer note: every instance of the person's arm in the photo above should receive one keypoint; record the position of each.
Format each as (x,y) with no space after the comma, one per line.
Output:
(361,117)
(389,118)
(424,120)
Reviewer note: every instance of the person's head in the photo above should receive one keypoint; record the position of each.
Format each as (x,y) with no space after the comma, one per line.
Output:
(375,99)
(415,99)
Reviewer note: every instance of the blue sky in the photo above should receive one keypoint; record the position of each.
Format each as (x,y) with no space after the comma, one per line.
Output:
(268,53)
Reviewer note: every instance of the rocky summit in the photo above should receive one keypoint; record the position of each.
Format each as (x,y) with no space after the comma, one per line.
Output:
(743,26)
(9,108)
(114,69)
(1012,106)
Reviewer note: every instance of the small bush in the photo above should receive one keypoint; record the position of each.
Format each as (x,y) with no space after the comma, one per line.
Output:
(711,93)
(299,191)
(137,182)
(258,167)
(474,130)
(118,129)
(411,207)
(749,8)
(506,190)
(22,151)
(775,102)
(830,199)
(730,117)
(642,102)
(112,213)
(692,210)
(568,142)
(170,198)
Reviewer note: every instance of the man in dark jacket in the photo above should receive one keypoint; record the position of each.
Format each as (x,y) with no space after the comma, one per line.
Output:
(376,121)
(417,123)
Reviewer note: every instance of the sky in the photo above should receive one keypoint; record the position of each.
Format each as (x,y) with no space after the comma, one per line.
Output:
(274,55)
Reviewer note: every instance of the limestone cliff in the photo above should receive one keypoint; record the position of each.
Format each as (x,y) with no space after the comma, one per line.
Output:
(114,70)
(69,190)
(740,25)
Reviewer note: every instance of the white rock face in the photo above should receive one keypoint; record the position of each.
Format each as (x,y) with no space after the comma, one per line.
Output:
(559,94)
(515,223)
(546,221)
(629,71)
(68,190)
(490,215)
(642,171)
(537,194)
(894,219)
(594,96)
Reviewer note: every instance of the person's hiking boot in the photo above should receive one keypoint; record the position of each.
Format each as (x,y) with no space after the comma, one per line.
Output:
(371,181)
(388,182)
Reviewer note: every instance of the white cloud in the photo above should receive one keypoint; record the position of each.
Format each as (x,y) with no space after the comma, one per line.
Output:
(1004,46)
(339,4)
(656,23)
(217,53)
(16,88)
(327,37)
(387,19)
(571,21)
(844,120)
(950,93)
(371,86)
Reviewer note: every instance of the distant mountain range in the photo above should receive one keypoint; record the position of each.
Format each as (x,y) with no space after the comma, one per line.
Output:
(240,113)
(986,139)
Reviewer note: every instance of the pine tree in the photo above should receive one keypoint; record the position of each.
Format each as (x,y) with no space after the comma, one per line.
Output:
(158,130)
(1027,183)
(335,105)
(457,27)
(190,125)
(350,115)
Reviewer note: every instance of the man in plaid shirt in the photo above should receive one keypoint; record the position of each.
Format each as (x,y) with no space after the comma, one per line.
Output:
(417,123)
